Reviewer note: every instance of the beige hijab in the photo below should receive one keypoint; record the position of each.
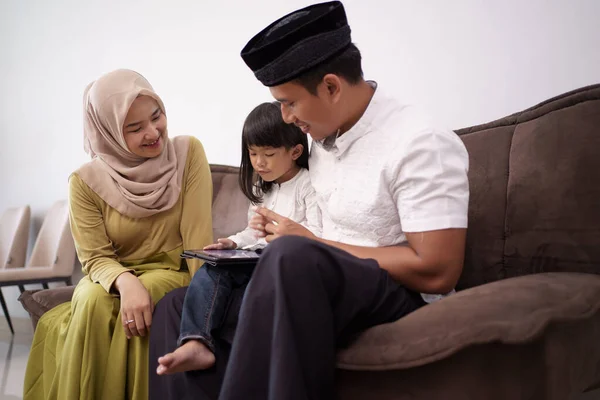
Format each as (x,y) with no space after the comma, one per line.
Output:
(135,186)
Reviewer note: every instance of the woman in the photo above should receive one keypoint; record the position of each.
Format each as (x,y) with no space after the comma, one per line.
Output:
(134,208)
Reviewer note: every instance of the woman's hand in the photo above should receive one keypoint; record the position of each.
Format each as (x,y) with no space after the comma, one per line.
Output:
(136,305)
(222,244)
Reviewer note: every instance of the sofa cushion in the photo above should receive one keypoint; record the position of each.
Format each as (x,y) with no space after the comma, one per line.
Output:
(554,366)
(511,311)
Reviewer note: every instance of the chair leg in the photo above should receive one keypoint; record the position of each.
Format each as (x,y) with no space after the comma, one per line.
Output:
(45,285)
(21,288)
(68,281)
(6,314)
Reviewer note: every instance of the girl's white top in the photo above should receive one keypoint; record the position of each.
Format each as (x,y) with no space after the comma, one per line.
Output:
(294,199)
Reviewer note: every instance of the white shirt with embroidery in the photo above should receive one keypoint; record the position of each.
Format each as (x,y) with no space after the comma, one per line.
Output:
(394,171)
(294,199)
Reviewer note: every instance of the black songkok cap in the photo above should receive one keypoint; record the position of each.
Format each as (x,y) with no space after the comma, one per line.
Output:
(297,42)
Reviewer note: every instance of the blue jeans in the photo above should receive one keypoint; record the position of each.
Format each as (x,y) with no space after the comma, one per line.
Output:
(207,301)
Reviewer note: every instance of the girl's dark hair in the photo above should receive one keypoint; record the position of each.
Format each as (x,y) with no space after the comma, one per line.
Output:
(264,127)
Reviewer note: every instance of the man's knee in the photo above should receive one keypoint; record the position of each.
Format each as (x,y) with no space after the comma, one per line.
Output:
(291,255)
(290,246)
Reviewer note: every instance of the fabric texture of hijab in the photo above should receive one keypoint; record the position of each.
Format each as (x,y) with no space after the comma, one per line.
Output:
(135,186)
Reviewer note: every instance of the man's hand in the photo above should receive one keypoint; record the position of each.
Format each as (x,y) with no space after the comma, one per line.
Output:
(278,226)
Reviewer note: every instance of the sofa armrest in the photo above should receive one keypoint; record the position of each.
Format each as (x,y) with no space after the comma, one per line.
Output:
(511,311)
(38,302)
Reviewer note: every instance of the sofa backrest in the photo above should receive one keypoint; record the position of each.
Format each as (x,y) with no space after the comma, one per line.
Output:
(535,190)
(230,206)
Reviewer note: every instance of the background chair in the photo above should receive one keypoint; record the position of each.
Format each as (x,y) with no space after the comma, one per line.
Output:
(14,235)
(53,255)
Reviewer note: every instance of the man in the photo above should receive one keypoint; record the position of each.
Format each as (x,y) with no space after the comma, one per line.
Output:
(393,192)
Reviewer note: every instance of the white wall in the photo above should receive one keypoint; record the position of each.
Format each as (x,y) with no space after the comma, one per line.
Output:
(467,61)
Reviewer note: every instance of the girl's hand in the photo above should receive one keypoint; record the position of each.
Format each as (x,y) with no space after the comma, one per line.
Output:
(222,244)
(278,226)
(258,223)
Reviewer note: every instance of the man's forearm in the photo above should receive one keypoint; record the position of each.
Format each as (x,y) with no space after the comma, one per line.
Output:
(403,264)
(431,262)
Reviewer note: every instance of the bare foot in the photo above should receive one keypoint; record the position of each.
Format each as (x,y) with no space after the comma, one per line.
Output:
(193,355)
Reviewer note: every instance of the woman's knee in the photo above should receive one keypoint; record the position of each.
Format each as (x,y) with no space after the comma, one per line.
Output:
(91,296)
(160,282)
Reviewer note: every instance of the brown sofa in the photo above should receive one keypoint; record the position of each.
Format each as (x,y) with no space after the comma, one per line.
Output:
(525,323)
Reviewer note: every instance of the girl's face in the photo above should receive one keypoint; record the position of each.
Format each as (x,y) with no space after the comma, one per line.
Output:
(275,164)
(145,128)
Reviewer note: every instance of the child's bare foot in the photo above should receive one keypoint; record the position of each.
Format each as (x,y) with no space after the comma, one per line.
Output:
(192,355)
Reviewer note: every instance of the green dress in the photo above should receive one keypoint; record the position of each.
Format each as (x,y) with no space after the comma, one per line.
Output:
(79,349)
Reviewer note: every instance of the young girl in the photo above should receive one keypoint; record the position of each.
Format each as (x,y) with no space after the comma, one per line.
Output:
(273,174)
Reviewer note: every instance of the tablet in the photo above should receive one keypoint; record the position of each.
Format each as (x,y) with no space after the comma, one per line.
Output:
(224,257)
